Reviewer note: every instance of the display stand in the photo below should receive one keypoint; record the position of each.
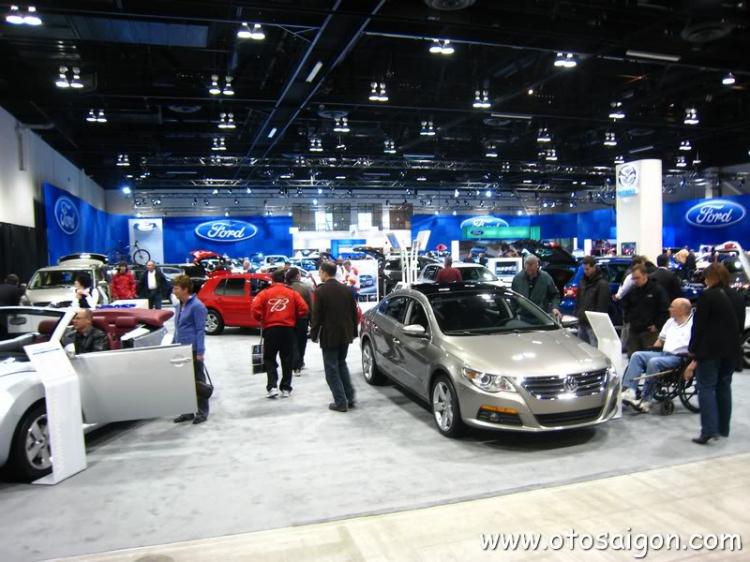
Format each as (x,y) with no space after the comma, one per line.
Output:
(63,401)
(409,262)
(609,344)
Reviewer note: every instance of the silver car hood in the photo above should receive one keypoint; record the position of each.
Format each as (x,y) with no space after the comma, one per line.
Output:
(53,294)
(8,368)
(526,354)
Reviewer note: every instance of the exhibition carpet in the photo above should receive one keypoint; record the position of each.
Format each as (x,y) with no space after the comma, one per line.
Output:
(260,464)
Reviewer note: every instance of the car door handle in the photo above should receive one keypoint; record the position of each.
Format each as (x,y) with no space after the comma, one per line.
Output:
(180,361)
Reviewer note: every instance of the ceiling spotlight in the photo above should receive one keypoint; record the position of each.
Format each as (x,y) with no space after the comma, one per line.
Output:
(205,202)
(543,136)
(696,160)
(685,145)
(215,191)
(428,129)
(17,17)
(228,91)
(123,160)
(374,91)
(530,92)
(619,160)
(226,121)
(551,155)
(421,178)
(435,48)
(610,139)
(681,163)
(481,100)
(126,190)
(617,112)
(62,81)
(236,201)
(728,80)
(226,213)
(75,82)
(441,48)
(340,146)
(382,95)
(341,125)
(691,116)
(565,60)
(455,193)
(214,90)
(256,33)
(248,191)
(218,144)
(316,145)
(101,117)
(390,147)
(491,151)
(315,201)
(92,116)
(488,193)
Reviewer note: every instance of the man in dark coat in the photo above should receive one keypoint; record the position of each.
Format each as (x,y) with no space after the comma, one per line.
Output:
(85,338)
(594,295)
(646,308)
(334,324)
(154,286)
(10,292)
(667,278)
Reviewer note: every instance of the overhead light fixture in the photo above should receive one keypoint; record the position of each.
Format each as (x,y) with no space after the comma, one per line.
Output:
(685,145)
(543,136)
(696,160)
(126,190)
(248,191)
(481,100)
(228,91)
(226,213)
(226,121)
(441,47)
(565,60)
(272,133)
(123,160)
(681,163)
(390,147)
(610,139)
(75,82)
(421,178)
(652,56)
(91,117)
(316,145)
(728,80)
(530,92)
(340,146)
(491,151)
(341,125)
(378,92)
(617,112)
(214,90)
(62,81)
(218,144)
(101,118)
(551,155)
(18,17)
(428,129)
(619,160)
(314,72)
(256,33)
(691,116)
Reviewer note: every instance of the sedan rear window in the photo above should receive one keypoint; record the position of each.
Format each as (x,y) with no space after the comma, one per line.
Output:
(476,274)
(57,278)
(487,313)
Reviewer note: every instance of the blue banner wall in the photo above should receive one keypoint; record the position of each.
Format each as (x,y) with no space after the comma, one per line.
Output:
(679,232)
(75,226)
(273,237)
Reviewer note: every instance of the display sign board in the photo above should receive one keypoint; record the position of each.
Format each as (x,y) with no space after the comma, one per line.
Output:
(609,344)
(715,213)
(368,279)
(226,231)
(505,268)
(63,401)
(501,232)
(66,215)
(628,178)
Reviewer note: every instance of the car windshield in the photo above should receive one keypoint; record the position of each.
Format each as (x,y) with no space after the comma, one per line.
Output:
(483,313)
(21,327)
(393,263)
(476,274)
(53,279)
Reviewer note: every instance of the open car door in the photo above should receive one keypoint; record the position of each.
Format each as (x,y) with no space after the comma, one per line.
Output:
(133,384)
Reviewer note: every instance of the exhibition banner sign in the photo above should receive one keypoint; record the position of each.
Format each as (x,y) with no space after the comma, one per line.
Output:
(502,233)
(226,231)
(715,213)
(66,215)
(628,178)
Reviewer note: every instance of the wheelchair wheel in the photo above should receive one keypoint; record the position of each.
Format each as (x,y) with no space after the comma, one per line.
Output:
(667,408)
(689,395)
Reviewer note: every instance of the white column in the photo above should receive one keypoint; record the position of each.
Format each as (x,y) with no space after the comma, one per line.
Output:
(639,206)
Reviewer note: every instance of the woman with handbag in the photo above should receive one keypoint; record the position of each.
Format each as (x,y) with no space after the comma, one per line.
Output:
(190,329)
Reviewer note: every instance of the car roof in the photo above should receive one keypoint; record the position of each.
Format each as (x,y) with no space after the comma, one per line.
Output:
(431,289)
(614,259)
(70,267)
(264,276)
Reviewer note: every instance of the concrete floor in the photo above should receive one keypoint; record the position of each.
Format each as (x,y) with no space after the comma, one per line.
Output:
(259,464)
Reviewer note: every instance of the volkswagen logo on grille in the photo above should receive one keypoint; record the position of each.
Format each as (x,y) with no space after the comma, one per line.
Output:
(570,384)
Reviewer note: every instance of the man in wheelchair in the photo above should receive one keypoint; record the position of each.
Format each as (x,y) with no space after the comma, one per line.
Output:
(670,350)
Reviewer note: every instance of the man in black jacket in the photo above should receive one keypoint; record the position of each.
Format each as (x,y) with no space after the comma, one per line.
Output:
(334,323)
(594,295)
(10,292)
(646,308)
(667,278)
(86,338)
(154,286)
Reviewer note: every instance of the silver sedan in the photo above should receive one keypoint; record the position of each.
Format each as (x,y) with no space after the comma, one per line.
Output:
(486,357)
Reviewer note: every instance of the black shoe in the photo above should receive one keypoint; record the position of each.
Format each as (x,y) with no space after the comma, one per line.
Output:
(352,404)
(703,439)
(336,408)
(199,419)
(184,418)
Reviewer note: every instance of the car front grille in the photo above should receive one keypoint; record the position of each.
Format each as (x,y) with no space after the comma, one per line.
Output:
(581,384)
(569,418)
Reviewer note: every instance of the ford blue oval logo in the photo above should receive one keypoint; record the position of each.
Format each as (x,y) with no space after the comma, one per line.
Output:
(226,231)
(66,215)
(476,232)
(483,222)
(715,214)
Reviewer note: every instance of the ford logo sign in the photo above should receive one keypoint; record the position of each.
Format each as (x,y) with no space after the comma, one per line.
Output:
(476,232)
(226,231)
(715,214)
(483,222)
(66,215)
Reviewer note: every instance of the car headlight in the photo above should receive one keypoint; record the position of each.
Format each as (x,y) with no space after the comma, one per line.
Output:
(487,382)
(611,371)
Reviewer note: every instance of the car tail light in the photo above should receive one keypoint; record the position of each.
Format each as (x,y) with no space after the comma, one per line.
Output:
(570,293)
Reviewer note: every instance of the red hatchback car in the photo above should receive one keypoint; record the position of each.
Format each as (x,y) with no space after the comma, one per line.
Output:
(229,298)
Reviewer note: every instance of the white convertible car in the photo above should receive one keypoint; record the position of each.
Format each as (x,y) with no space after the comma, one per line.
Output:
(138,378)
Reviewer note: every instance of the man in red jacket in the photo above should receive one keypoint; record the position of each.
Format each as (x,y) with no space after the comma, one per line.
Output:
(277,308)
(449,274)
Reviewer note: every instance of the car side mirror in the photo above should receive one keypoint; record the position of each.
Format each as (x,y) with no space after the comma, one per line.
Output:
(415,331)
(569,322)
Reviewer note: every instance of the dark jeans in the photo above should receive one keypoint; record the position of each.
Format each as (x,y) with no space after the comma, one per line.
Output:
(200,375)
(586,334)
(640,341)
(301,344)
(714,382)
(154,299)
(279,340)
(337,374)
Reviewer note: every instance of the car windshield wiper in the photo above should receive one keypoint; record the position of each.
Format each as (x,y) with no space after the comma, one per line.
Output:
(461,333)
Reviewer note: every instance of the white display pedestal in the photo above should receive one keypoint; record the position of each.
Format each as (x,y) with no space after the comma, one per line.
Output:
(63,400)
(609,344)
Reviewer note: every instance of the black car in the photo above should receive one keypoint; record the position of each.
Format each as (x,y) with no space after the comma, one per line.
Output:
(555,260)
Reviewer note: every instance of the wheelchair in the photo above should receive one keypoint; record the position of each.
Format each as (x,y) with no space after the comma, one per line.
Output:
(670,386)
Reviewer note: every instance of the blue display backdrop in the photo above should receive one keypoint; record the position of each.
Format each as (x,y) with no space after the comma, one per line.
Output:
(710,214)
(180,237)
(75,226)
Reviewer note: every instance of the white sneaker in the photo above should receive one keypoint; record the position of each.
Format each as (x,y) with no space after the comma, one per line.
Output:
(285,394)
(273,393)
(297,373)
(644,406)
(629,397)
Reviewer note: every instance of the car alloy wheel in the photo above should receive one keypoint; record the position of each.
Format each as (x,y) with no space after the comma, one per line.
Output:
(214,323)
(746,349)
(37,444)
(445,408)
(373,375)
